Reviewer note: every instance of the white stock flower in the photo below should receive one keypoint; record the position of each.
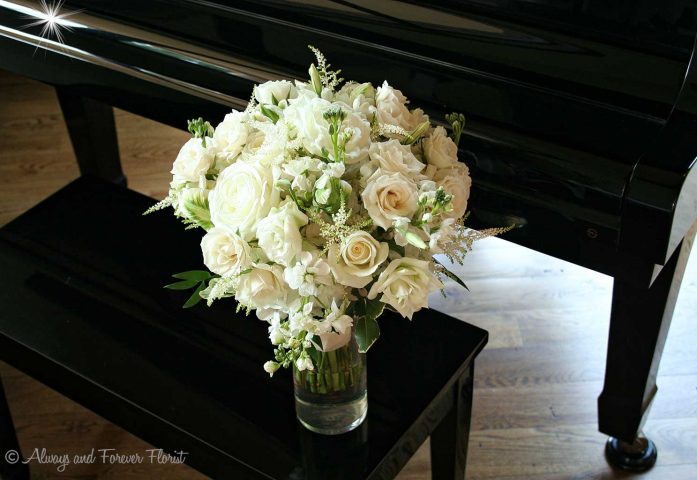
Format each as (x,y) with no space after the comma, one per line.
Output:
(230,137)
(279,232)
(405,285)
(224,252)
(391,156)
(243,195)
(262,287)
(335,329)
(278,90)
(388,196)
(354,262)
(439,149)
(307,274)
(457,182)
(392,109)
(193,161)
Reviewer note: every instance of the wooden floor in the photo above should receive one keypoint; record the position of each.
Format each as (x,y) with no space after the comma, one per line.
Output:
(536,383)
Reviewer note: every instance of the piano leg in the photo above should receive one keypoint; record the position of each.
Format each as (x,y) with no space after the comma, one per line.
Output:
(11,466)
(93,135)
(639,325)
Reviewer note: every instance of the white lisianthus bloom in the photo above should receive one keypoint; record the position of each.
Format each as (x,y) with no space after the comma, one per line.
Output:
(391,156)
(456,182)
(308,274)
(392,109)
(405,285)
(224,252)
(358,96)
(230,138)
(279,90)
(358,128)
(194,160)
(243,195)
(439,149)
(262,287)
(305,115)
(279,232)
(354,262)
(388,196)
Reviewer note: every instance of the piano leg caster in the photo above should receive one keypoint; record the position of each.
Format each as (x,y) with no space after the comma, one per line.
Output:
(637,457)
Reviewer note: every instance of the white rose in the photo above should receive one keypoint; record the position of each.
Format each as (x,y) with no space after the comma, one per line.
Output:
(388,197)
(262,287)
(392,109)
(230,137)
(280,90)
(193,161)
(243,194)
(457,182)
(405,285)
(392,156)
(305,114)
(224,252)
(439,149)
(279,233)
(354,262)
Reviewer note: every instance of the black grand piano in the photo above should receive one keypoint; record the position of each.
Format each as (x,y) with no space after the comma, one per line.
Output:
(582,119)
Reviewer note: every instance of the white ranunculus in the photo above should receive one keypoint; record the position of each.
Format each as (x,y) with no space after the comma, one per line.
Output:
(279,90)
(262,287)
(279,233)
(305,115)
(392,109)
(389,196)
(224,252)
(391,156)
(193,161)
(230,137)
(354,262)
(457,182)
(405,285)
(439,149)
(243,195)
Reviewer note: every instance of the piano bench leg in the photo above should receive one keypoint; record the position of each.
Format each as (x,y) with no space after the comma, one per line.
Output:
(639,325)
(11,466)
(93,134)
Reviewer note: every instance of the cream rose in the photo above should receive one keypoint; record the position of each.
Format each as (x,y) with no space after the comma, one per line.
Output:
(405,285)
(280,90)
(439,149)
(279,233)
(243,195)
(388,197)
(193,161)
(391,156)
(230,138)
(354,262)
(457,182)
(262,287)
(224,252)
(392,109)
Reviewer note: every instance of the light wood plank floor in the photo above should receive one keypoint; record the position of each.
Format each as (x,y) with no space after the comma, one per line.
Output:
(536,383)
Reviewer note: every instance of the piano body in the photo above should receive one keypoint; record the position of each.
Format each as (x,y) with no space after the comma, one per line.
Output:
(582,120)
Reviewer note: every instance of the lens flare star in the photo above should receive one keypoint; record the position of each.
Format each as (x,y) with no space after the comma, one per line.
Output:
(51,20)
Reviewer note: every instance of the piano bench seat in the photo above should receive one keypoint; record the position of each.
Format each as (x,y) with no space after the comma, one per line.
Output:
(84,311)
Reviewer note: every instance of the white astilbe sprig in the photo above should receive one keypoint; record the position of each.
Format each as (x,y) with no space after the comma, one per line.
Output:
(330,78)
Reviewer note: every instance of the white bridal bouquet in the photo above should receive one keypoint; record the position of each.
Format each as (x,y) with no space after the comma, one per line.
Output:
(323,203)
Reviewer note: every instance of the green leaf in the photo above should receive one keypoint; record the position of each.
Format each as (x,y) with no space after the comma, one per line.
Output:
(195,297)
(273,116)
(198,275)
(451,275)
(367,332)
(195,207)
(185,285)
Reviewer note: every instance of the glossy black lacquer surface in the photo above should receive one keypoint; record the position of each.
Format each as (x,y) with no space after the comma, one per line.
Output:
(84,311)
(564,99)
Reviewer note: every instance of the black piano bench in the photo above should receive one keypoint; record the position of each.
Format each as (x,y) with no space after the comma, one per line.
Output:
(84,312)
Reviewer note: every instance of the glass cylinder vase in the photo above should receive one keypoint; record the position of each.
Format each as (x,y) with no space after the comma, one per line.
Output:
(333,398)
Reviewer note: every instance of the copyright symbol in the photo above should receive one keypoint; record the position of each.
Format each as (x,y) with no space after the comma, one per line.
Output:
(12,457)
